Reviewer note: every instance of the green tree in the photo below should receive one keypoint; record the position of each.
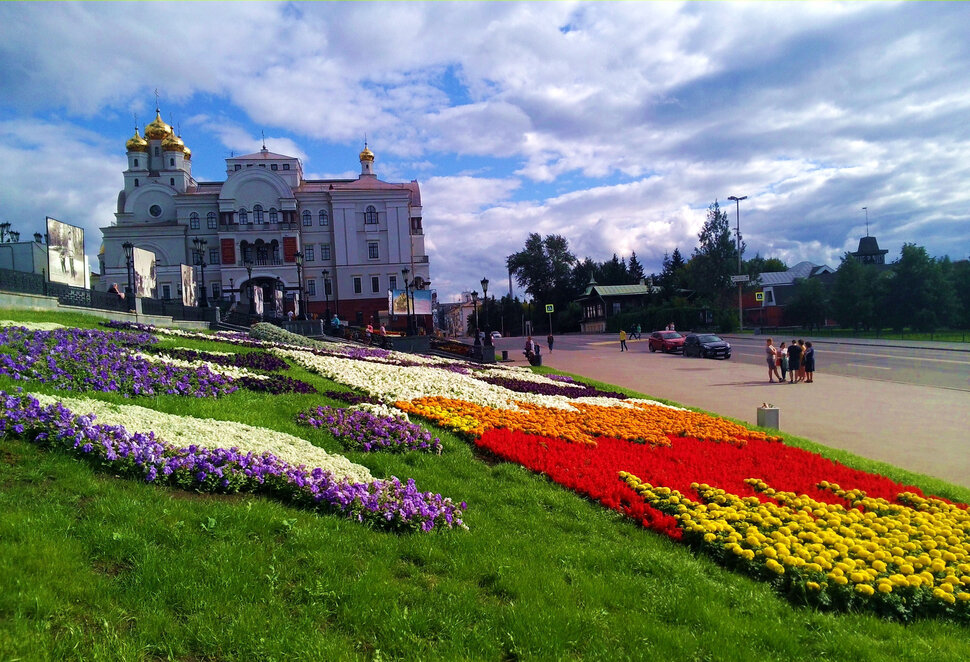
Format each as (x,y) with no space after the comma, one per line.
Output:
(613,272)
(959,278)
(808,305)
(544,269)
(759,265)
(715,260)
(920,296)
(635,269)
(672,277)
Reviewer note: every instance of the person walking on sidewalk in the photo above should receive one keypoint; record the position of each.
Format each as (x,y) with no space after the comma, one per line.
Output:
(549,341)
(623,340)
(782,360)
(794,360)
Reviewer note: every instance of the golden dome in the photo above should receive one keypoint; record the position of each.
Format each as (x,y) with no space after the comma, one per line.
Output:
(158,129)
(101,252)
(366,155)
(173,143)
(188,154)
(136,143)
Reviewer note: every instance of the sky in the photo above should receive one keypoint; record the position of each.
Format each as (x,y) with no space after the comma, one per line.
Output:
(613,124)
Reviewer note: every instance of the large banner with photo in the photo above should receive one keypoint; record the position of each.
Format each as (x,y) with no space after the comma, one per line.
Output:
(144,272)
(65,253)
(420,302)
(188,285)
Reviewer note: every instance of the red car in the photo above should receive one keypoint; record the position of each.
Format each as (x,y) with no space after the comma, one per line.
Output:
(666,341)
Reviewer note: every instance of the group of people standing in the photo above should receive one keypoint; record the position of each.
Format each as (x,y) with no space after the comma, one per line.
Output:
(797,360)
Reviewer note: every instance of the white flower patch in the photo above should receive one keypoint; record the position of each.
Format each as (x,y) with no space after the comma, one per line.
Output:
(33,326)
(390,383)
(382,410)
(227,371)
(182,431)
(207,351)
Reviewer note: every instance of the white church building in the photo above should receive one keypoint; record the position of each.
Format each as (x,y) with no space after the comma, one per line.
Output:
(331,246)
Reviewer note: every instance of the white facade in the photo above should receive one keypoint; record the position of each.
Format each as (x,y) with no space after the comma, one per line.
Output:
(362,231)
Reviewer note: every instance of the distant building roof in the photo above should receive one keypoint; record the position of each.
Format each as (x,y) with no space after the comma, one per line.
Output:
(801,270)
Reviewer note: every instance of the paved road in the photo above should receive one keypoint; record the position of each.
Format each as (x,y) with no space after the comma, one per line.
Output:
(947,365)
(918,427)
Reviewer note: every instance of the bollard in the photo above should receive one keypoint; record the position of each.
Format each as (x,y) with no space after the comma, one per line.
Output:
(505,355)
(768,416)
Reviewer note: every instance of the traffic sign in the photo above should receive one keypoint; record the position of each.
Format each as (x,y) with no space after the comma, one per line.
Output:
(759,296)
(549,308)
(740,279)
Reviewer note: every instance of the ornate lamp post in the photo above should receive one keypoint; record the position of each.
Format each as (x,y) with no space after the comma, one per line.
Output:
(38,237)
(248,263)
(407,297)
(298,257)
(129,261)
(488,335)
(326,294)
(232,291)
(282,289)
(14,236)
(200,245)
(4,231)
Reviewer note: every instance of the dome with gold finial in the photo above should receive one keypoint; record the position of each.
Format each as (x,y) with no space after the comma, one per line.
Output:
(158,129)
(136,143)
(366,155)
(188,154)
(173,143)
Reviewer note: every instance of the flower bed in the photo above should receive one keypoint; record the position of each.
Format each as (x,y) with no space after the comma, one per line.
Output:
(387,504)
(367,431)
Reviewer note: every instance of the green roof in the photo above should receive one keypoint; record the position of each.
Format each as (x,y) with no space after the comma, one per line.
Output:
(617,290)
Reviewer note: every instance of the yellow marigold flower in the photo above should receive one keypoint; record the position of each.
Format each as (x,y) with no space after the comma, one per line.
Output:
(885,588)
(709,537)
(963,596)
(864,589)
(842,580)
(814,586)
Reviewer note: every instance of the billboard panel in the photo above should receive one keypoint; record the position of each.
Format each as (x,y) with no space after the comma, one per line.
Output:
(420,302)
(65,253)
(188,285)
(144,272)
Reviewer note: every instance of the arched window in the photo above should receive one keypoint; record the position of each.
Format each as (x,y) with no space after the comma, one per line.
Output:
(136,182)
(370,215)
(307,218)
(243,216)
(273,216)
(324,218)
(156,151)
(258,214)
(136,163)
(171,161)
(194,221)
(171,181)
(210,220)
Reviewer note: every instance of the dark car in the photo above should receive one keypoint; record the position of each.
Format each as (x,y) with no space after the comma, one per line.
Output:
(706,345)
(665,341)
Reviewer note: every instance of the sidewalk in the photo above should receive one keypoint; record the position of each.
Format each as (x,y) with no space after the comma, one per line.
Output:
(920,428)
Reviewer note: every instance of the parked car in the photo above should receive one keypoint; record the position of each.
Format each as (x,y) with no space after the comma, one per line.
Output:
(665,341)
(496,334)
(706,345)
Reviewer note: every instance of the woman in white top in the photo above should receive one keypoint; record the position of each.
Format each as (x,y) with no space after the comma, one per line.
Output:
(771,354)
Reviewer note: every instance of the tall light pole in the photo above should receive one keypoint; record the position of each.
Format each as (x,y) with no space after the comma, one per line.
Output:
(326,294)
(200,245)
(488,335)
(298,257)
(248,263)
(737,209)
(475,311)
(129,261)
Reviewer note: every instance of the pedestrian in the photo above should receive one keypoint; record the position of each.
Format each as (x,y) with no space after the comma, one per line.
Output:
(783,360)
(771,355)
(801,363)
(549,341)
(809,362)
(529,348)
(369,333)
(636,331)
(622,340)
(794,357)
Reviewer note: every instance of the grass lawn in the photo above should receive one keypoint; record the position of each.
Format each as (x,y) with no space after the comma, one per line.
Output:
(95,567)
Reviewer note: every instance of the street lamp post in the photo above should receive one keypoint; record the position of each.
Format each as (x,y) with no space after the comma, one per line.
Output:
(326,294)
(4,231)
(488,335)
(200,245)
(475,311)
(232,291)
(248,263)
(737,211)
(129,286)
(407,299)
(14,236)
(298,257)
